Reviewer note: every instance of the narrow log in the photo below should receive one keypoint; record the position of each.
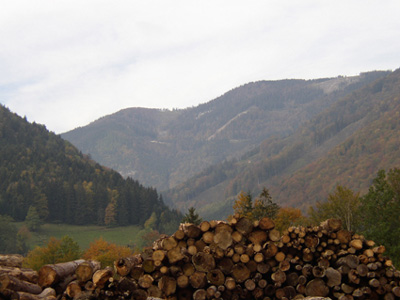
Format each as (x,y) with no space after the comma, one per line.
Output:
(200,294)
(46,294)
(11,260)
(167,285)
(145,281)
(8,282)
(216,277)
(20,273)
(182,281)
(51,274)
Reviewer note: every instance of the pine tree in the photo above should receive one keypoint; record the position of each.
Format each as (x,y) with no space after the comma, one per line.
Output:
(192,217)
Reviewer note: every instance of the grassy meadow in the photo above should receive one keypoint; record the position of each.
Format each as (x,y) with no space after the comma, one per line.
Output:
(84,235)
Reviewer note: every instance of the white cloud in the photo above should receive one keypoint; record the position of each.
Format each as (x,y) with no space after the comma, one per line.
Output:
(66,63)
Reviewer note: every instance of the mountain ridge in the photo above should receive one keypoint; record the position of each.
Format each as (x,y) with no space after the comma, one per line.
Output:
(163,148)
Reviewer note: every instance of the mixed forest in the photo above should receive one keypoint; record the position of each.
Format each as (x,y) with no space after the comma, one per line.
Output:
(43,176)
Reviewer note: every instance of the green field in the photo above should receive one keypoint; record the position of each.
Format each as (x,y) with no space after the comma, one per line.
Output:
(84,235)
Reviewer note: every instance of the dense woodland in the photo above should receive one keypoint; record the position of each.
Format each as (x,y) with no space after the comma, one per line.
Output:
(39,169)
(346,144)
(163,148)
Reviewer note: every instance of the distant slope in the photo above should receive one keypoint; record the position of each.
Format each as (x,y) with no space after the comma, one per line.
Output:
(347,144)
(164,148)
(39,168)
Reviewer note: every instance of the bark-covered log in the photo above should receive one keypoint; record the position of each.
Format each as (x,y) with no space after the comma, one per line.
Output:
(11,260)
(8,282)
(49,275)
(20,273)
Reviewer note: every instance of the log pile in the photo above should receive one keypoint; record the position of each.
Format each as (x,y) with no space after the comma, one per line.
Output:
(252,260)
(219,260)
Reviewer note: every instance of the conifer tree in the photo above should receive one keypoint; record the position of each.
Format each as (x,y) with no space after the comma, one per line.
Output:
(192,217)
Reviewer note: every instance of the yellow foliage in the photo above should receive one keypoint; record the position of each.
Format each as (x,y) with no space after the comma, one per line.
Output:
(289,216)
(56,251)
(106,252)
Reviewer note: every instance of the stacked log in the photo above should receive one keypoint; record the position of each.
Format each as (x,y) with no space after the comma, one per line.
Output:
(237,260)
(252,260)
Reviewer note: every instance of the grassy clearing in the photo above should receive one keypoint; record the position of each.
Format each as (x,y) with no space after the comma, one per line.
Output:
(84,235)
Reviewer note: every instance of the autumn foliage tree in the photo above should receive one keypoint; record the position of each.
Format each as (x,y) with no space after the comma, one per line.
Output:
(342,204)
(104,252)
(56,251)
(289,216)
(263,206)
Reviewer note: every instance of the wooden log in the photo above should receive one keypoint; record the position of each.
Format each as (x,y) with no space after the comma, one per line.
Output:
(334,277)
(84,272)
(205,226)
(167,285)
(20,273)
(274,235)
(258,237)
(182,281)
(216,277)
(73,289)
(244,226)
(203,262)
(331,225)
(266,224)
(278,277)
(317,287)
(154,291)
(200,294)
(223,239)
(8,282)
(146,281)
(237,237)
(198,280)
(240,272)
(174,255)
(52,274)
(230,283)
(191,230)
(169,243)
(46,294)
(11,260)
(101,277)
(208,237)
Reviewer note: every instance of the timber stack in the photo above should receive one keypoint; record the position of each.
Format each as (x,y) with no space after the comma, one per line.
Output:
(236,260)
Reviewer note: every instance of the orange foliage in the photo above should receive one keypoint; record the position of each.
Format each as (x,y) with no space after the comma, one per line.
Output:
(106,252)
(289,216)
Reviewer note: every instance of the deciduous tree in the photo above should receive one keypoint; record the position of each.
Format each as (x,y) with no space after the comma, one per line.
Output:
(342,204)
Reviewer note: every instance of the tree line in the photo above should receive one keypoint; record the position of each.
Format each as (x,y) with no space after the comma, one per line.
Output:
(42,174)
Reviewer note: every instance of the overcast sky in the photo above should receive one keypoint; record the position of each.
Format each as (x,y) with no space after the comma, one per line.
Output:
(67,63)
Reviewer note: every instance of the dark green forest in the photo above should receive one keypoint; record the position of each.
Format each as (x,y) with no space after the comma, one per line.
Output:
(39,169)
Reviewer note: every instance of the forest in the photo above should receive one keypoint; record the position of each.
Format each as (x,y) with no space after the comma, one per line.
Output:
(41,172)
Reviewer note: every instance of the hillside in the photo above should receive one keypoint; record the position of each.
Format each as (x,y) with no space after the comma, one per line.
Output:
(164,148)
(346,144)
(40,169)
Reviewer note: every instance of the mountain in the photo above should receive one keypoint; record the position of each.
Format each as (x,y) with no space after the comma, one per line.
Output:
(40,169)
(345,144)
(164,148)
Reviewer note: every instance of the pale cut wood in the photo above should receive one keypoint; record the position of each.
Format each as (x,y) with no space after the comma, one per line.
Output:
(182,281)
(101,277)
(205,226)
(223,239)
(258,237)
(84,272)
(198,280)
(274,235)
(208,237)
(74,289)
(145,281)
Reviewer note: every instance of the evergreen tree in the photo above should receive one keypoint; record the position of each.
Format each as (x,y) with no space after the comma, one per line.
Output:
(380,209)
(32,220)
(192,217)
